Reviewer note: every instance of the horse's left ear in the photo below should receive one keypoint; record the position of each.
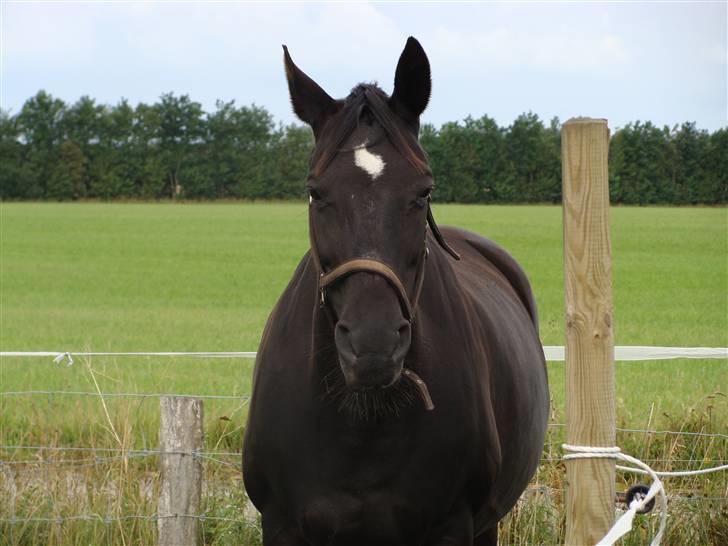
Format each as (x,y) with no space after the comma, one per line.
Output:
(412,83)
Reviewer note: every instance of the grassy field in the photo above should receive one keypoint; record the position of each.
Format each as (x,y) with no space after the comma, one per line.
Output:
(202,277)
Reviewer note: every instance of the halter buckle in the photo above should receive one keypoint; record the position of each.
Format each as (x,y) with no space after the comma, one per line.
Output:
(322,292)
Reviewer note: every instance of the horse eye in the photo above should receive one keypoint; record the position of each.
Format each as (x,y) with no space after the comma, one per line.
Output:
(315,195)
(425,194)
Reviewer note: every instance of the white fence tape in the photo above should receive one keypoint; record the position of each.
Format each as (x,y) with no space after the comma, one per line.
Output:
(554,353)
(79,353)
(640,352)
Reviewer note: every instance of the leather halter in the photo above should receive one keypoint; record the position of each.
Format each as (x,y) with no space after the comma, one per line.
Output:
(370,265)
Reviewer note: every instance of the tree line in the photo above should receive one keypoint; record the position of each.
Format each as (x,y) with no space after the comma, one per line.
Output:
(173,149)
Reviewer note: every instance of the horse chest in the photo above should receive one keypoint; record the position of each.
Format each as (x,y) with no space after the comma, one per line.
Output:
(357,458)
(376,517)
(379,488)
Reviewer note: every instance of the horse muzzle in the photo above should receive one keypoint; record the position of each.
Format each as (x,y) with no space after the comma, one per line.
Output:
(371,358)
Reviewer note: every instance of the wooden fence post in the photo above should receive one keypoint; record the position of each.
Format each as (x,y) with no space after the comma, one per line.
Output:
(180,430)
(590,415)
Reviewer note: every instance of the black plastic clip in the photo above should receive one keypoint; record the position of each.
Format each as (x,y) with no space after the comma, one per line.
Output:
(639,492)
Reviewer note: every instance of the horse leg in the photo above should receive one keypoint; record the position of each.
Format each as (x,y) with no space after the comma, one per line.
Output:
(455,530)
(489,537)
(277,533)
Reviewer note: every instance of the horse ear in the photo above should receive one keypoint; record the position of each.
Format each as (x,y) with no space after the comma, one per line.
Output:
(412,83)
(311,104)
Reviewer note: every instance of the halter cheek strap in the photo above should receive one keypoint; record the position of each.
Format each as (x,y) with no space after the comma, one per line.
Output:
(438,236)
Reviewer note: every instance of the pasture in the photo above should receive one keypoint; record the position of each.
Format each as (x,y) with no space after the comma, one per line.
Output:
(203,277)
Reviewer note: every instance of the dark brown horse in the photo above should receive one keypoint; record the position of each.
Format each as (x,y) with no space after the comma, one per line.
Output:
(400,393)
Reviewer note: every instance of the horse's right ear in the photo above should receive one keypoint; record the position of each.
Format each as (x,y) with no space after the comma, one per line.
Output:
(311,104)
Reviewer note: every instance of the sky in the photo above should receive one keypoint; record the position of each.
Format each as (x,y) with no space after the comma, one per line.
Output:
(665,62)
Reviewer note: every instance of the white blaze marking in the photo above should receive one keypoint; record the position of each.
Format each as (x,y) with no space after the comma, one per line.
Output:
(371,163)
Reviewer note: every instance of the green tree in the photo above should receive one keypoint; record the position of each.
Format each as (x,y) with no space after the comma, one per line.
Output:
(688,147)
(292,147)
(550,179)
(15,177)
(642,168)
(174,149)
(116,166)
(40,125)
(152,176)
(616,167)
(83,124)
(534,159)
(67,177)
(180,132)
(240,145)
(430,142)
(255,164)
(455,163)
(714,187)
(222,140)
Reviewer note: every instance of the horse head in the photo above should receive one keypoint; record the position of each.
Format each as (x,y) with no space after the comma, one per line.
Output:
(369,187)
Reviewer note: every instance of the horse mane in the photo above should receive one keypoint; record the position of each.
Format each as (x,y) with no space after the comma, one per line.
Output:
(366,100)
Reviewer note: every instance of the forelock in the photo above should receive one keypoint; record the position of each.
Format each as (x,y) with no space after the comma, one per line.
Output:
(370,103)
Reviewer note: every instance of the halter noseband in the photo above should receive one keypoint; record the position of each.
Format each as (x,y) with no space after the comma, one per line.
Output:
(377,267)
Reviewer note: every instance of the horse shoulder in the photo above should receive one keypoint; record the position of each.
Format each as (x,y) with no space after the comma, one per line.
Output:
(290,315)
(500,259)
(279,371)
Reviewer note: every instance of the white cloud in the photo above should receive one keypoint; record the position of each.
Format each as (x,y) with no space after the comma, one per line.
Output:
(171,38)
(716,54)
(354,34)
(506,48)
(48,34)
(496,58)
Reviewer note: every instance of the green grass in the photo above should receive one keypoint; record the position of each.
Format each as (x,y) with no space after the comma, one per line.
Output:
(203,277)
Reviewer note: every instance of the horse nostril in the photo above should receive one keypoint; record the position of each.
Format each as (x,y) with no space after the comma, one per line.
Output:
(404,330)
(404,336)
(342,335)
(354,341)
(343,329)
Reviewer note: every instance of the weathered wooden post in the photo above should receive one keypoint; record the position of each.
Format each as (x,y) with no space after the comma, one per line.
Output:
(590,415)
(180,442)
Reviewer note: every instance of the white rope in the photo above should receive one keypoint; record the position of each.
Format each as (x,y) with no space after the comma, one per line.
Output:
(624,524)
(553,353)
(679,474)
(624,353)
